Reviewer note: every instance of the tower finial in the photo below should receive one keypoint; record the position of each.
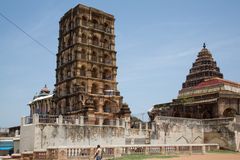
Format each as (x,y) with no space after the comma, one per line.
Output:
(204,45)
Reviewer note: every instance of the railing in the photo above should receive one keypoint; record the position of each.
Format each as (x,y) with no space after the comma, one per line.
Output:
(101,28)
(48,118)
(52,153)
(28,120)
(4,130)
(72,120)
(78,152)
(111,93)
(39,155)
(109,152)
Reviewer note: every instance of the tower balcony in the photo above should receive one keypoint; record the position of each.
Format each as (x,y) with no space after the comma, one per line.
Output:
(97,27)
(111,93)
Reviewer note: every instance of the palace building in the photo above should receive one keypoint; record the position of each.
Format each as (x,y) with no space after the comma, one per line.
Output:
(204,94)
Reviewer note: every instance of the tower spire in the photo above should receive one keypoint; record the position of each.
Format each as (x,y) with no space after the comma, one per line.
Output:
(204,45)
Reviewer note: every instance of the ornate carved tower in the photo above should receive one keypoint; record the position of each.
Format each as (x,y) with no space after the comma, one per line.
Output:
(203,68)
(86,67)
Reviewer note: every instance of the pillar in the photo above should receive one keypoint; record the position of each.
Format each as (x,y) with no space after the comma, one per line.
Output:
(177,149)
(123,122)
(35,119)
(190,149)
(203,149)
(117,122)
(100,121)
(77,121)
(81,119)
(153,126)
(23,121)
(146,127)
(60,119)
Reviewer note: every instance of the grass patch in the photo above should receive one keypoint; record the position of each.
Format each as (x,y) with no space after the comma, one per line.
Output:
(223,152)
(141,157)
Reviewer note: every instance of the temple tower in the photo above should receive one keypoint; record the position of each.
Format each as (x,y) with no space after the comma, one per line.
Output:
(86,67)
(203,68)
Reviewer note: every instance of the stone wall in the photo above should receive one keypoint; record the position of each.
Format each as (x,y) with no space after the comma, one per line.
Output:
(220,131)
(27,138)
(164,130)
(42,136)
(172,130)
(237,133)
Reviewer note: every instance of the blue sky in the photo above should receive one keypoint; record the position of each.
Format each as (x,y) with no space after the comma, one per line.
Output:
(156,43)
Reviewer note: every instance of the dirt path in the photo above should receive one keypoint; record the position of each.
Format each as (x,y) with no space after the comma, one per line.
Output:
(206,157)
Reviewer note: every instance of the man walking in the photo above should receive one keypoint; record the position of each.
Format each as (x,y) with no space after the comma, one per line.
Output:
(98,153)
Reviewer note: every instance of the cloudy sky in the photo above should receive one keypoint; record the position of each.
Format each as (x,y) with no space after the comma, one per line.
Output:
(156,43)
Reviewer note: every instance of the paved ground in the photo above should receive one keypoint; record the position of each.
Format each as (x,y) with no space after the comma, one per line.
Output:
(206,157)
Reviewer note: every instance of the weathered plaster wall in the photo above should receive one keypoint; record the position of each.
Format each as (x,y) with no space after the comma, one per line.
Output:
(221,131)
(172,130)
(164,130)
(75,135)
(136,136)
(27,138)
(237,133)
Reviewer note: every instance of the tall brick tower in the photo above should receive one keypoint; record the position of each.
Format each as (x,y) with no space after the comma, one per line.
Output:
(86,67)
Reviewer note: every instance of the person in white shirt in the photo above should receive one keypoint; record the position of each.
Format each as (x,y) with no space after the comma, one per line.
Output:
(98,153)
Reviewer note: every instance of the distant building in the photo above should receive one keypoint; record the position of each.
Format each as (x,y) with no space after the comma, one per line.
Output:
(205,94)
(42,103)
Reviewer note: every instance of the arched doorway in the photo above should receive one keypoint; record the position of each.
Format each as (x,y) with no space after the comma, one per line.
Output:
(229,112)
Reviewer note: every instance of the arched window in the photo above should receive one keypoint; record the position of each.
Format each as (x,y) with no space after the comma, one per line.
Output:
(69,42)
(83,54)
(107,28)
(84,21)
(106,122)
(107,107)
(62,60)
(94,73)
(69,57)
(95,103)
(229,112)
(83,71)
(107,90)
(94,56)
(84,38)
(83,87)
(106,44)
(68,89)
(107,75)
(68,73)
(95,23)
(176,114)
(107,59)
(94,89)
(107,87)
(95,41)
(70,25)
(77,22)
(61,75)
(205,115)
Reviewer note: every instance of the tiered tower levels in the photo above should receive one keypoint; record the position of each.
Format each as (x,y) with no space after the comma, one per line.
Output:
(203,68)
(86,64)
